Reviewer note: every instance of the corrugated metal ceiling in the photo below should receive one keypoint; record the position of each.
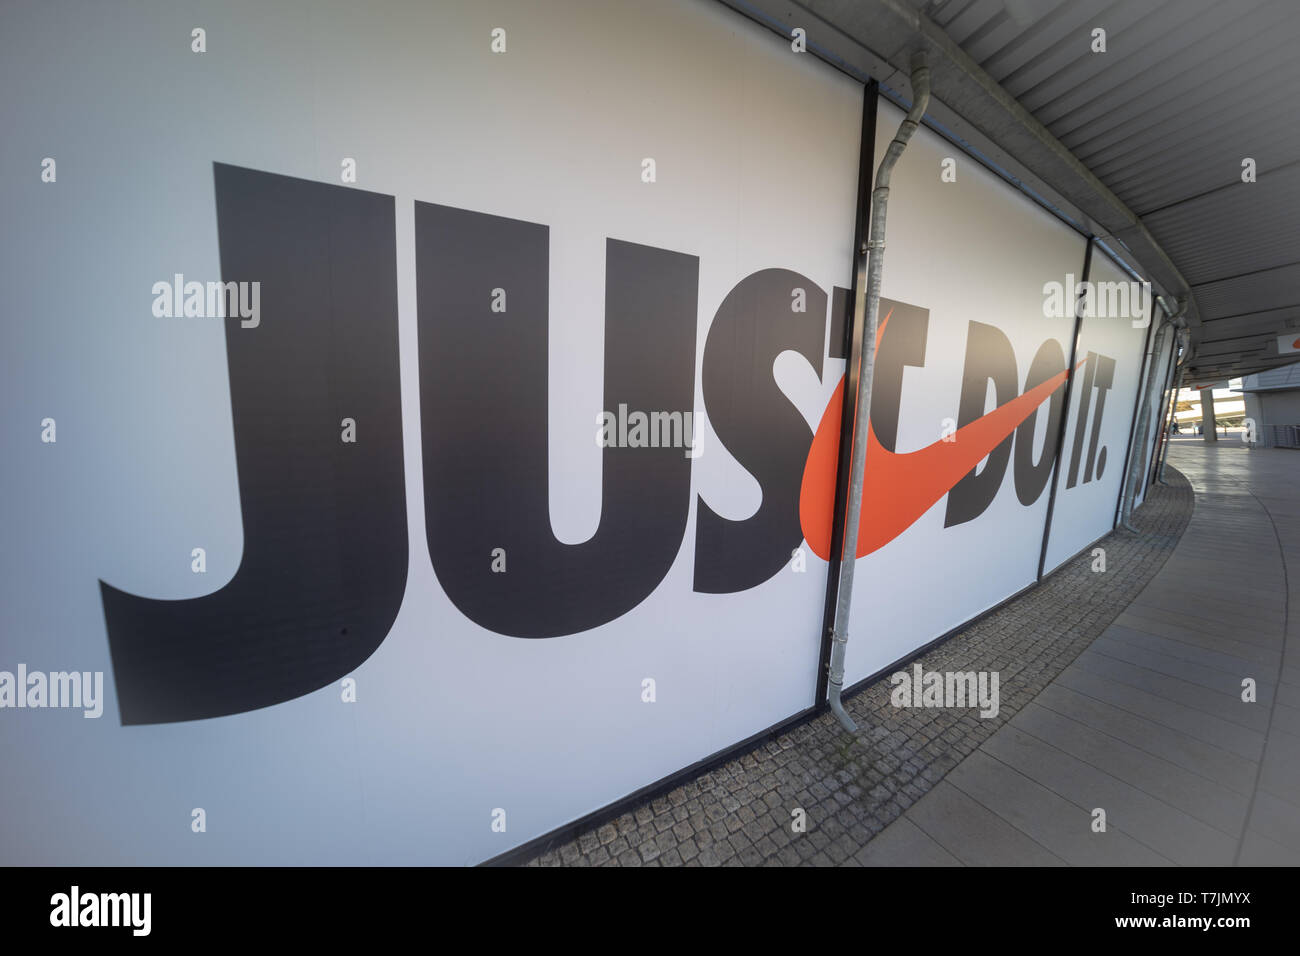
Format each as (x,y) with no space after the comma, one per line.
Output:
(1185,90)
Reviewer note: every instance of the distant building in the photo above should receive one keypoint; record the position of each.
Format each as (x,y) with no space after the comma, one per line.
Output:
(1273,401)
(1229,408)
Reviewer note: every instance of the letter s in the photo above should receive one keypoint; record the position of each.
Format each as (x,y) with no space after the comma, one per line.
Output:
(759,426)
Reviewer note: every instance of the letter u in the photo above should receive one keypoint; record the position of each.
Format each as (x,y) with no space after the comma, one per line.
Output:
(483,412)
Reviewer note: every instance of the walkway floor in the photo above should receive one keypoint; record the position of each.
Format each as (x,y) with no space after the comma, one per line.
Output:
(1054,741)
(1149,723)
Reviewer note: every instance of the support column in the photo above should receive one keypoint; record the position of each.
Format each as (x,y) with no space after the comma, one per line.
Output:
(1207,414)
(1135,471)
(1254,416)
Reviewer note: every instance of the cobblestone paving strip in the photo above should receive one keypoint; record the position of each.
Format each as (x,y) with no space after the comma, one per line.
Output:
(850,787)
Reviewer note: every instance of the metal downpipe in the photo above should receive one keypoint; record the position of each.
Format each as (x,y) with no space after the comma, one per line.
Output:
(1136,474)
(862,414)
(1173,408)
(1144,423)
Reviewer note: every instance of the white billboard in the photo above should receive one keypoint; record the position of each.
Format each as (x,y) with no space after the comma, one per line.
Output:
(447,411)
(303,632)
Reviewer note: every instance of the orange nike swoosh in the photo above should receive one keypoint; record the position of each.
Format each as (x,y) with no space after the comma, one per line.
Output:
(901,487)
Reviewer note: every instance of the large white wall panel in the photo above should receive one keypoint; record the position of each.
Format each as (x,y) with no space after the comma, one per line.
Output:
(755,149)
(1159,408)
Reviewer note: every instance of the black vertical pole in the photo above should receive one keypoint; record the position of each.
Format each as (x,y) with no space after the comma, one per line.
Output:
(1145,377)
(1169,413)
(1065,407)
(853,326)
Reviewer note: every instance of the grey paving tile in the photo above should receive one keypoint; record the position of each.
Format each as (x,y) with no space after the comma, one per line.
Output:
(1246,591)
(903,843)
(974,834)
(1193,793)
(1053,822)
(1218,679)
(1288,694)
(1258,850)
(1256,653)
(1214,703)
(1276,818)
(1229,614)
(1281,771)
(1234,772)
(1173,834)
(1137,617)
(1213,655)
(1286,719)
